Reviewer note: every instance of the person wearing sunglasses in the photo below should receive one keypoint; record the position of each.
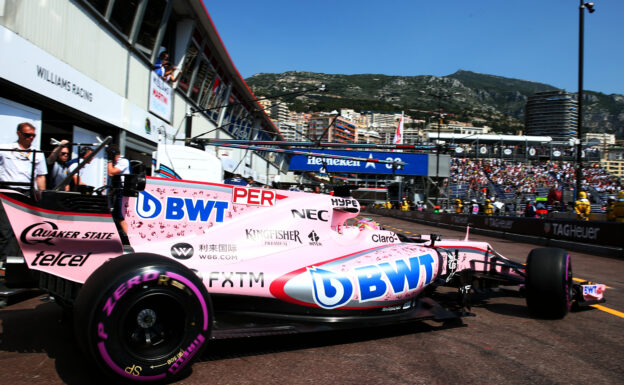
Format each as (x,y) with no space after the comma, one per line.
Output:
(16,166)
(58,166)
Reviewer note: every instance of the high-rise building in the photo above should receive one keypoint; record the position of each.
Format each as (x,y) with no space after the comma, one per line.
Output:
(279,112)
(552,113)
(265,104)
(291,131)
(341,130)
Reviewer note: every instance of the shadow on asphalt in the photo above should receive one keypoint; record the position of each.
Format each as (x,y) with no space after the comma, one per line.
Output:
(483,298)
(40,330)
(253,346)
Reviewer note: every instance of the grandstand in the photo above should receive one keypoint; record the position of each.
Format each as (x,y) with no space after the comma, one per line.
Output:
(514,182)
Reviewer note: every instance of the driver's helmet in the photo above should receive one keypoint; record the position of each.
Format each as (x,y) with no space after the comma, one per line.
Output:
(582,195)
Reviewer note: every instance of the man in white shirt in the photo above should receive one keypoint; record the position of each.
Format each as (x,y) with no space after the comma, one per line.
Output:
(16,166)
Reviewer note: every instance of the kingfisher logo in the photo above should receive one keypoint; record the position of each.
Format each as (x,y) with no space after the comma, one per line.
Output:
(178,209)
(332,289)
(182,251)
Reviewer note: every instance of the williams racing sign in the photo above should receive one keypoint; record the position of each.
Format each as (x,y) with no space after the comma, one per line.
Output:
(415,164)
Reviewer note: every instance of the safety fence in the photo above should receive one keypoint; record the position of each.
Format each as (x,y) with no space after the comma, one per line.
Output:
(601,233)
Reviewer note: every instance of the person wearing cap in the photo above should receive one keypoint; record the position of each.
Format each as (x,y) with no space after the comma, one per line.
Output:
(118,165)
(609,208)
(78,178)
(58,165)
(582,207)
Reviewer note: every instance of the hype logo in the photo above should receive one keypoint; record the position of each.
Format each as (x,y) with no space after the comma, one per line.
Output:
(147,205)
(331,290)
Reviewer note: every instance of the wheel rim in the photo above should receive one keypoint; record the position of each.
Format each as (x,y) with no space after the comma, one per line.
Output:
(153,327)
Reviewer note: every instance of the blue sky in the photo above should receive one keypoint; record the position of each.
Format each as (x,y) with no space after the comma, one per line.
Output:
(523,39)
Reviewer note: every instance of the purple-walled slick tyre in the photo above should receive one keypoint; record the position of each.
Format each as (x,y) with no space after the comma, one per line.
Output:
(143,318)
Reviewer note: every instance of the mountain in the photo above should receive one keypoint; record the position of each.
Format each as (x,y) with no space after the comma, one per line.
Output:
(496,101)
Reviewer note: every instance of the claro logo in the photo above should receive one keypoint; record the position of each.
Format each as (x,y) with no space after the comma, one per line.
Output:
(182,251)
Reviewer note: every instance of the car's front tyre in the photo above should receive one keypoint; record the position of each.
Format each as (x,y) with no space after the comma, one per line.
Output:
(549,289)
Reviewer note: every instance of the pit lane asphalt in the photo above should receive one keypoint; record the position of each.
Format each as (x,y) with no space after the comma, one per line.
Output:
(501,344)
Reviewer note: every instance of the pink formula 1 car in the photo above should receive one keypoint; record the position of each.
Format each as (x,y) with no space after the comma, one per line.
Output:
(204,261)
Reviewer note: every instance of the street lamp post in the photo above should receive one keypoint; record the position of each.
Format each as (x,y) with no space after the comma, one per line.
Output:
(438,154)
(439,98)
(579,129)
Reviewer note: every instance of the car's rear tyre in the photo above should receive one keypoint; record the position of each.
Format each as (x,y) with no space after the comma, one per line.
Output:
(143,317)
(549,282)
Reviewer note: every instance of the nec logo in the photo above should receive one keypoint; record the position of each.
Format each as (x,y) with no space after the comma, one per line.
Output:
(312,214)
(253,196)
(182,251)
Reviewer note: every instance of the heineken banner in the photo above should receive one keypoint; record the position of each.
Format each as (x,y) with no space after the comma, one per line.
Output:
(415,164)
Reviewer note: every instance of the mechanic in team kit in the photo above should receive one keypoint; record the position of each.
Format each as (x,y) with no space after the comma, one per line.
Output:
(488,208)
(118,165)
(459,207)
(582,207)
(610,215)
(16,166)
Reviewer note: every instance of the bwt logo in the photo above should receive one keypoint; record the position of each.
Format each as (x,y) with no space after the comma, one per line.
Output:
(182,250)
(332,290)
(177,209)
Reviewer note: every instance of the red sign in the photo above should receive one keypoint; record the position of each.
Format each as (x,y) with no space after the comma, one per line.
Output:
(253,196)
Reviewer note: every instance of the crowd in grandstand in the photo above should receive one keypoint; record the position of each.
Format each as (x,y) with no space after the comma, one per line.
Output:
(520,179)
